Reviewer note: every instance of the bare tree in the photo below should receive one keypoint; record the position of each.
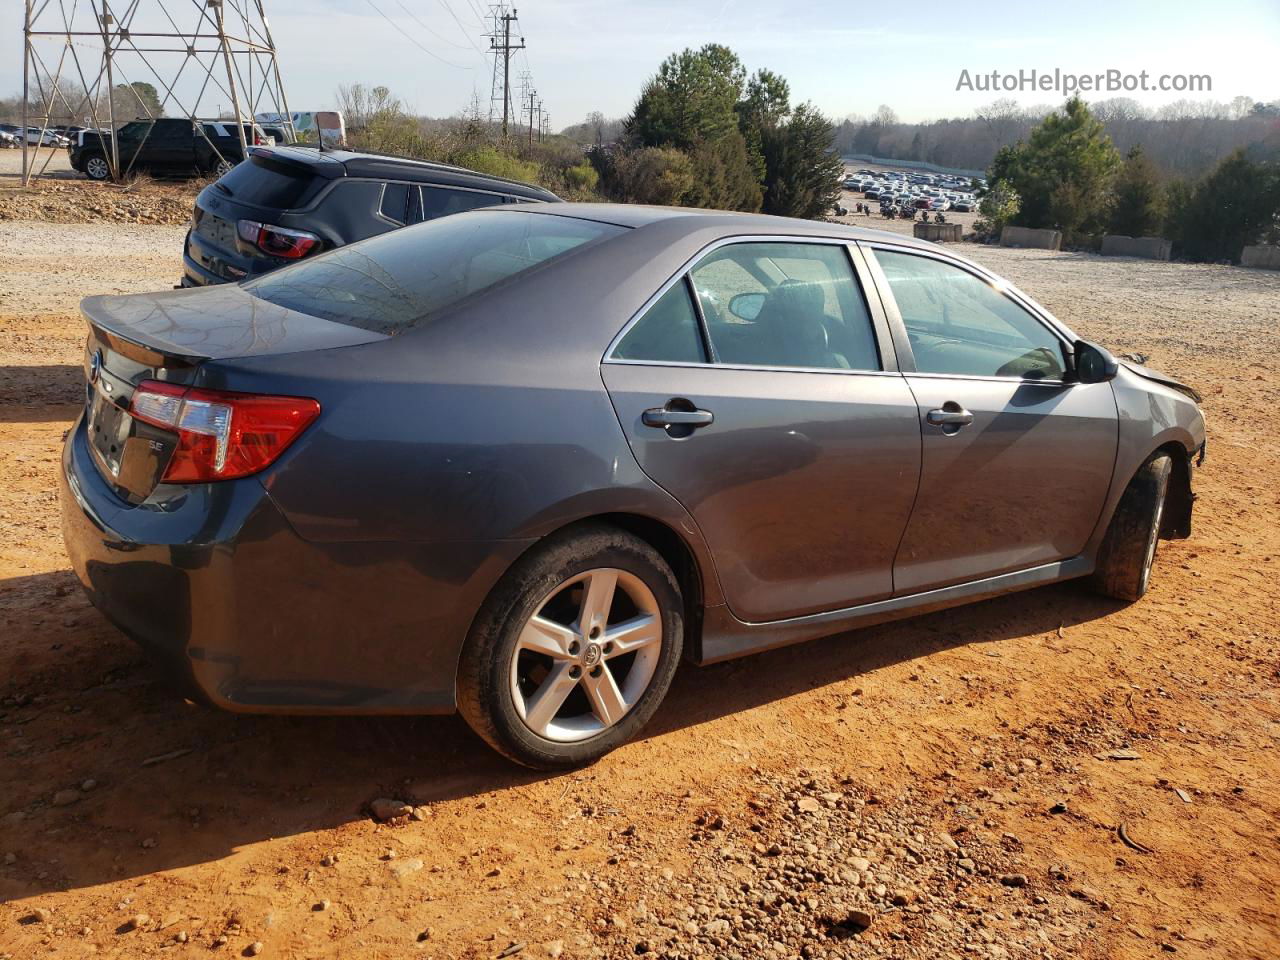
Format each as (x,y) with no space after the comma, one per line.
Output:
(1004,120)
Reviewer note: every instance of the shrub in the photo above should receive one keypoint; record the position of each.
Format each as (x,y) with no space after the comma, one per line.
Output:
(581,178)
(998,206)
(660,175)
(487,159)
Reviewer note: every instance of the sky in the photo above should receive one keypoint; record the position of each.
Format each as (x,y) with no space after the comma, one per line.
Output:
(847,58)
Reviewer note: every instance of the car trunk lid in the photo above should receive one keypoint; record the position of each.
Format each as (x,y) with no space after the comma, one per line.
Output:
(169,337)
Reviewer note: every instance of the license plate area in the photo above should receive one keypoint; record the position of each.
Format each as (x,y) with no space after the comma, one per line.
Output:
(109,427)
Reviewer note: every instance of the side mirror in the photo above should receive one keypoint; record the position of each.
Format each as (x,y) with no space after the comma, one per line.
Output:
(746,306)
(1093,364)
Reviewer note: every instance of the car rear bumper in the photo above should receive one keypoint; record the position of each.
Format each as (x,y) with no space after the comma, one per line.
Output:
(220,590)
(204,264)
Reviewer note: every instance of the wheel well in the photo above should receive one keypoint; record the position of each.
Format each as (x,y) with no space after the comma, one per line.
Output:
(673,549)
(1176,524)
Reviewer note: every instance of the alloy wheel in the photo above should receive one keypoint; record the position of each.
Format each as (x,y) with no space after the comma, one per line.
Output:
(97,168)
(587,655)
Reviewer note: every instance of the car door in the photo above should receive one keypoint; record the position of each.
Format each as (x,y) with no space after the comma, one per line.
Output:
(1017,457)
(760,391)
(172,146)
(131,138)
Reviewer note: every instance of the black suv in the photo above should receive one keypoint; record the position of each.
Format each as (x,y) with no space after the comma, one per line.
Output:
(177,146)
(287,203)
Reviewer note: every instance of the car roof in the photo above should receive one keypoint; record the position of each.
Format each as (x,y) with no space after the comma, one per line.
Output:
(381,166)
(730,223)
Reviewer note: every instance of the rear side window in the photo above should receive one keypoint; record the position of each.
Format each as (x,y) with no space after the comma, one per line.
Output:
(395,198)
(402,278)
(265,186)
(441,201)
(668,332)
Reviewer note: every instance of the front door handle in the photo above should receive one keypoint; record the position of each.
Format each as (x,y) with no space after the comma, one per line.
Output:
(664,417)
(951,415)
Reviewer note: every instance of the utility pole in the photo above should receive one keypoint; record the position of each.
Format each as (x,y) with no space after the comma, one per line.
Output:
(532,95)
(506,48)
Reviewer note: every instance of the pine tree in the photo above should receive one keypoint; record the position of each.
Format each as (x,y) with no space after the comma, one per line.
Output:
(1063,173)
(1138,209)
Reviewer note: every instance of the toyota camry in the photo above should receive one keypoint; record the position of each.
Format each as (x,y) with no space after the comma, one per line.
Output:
(521,462)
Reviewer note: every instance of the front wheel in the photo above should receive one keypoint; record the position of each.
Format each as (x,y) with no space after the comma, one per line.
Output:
(97,168)
(1129,548)
(223,167)
(574,650)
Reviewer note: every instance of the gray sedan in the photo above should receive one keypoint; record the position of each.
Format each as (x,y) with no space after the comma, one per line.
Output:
(520,462)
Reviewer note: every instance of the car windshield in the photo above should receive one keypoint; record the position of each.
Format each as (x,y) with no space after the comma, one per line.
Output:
(396,281)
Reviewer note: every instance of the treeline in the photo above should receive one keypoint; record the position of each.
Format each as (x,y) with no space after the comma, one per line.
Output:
(704,134)
(1069,175)
(1185,139)
(69,105)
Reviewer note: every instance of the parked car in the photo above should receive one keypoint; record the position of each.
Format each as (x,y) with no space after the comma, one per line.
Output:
(964,206)
(34,135)
(520,461)
(295,202)
(174,146)
(280,135)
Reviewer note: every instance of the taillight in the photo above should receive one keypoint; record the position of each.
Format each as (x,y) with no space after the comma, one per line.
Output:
(221,435)
(277,241)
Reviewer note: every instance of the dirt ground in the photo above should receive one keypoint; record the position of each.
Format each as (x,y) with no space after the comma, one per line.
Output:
(944,787)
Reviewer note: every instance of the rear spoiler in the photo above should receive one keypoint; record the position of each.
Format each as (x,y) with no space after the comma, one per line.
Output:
(129,343)
(288,162)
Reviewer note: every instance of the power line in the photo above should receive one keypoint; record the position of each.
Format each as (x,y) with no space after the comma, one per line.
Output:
(424,49)
(438,36)
(464,30)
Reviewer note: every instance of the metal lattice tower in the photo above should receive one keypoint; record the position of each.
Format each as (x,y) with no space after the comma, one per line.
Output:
(502,46)
(82,57)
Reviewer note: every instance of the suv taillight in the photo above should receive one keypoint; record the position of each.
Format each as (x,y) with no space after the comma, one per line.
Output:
(221,435)
(277,241)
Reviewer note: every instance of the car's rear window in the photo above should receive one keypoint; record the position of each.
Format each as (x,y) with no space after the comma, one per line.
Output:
(265,186)
(397,280)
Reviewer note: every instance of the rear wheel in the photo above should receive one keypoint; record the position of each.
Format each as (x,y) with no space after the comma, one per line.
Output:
(1129,549)
(574,649)
(96,167)
(223,167)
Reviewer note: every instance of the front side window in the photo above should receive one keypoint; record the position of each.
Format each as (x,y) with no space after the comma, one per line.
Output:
(961,325)
(403,278)
(785,305)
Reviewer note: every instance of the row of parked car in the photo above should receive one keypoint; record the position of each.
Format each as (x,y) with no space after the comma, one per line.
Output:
(12,135)
(914,191)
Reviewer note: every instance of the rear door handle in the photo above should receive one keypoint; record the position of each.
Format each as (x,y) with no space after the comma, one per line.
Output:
(950,415)
(662,417)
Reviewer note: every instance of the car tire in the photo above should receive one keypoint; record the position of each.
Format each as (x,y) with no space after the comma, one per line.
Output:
(1128,550)
(505,686)
(96,167)
(222,168)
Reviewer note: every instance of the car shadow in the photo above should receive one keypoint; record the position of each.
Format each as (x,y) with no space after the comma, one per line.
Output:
(43,384)
(80,702)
